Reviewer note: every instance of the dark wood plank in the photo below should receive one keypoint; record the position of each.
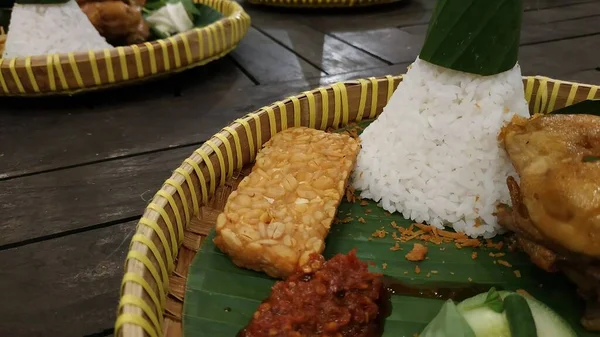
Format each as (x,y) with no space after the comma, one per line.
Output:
(562,13)
(326,52)
(71,199)
(408,13)
(269,62)
(398,45)
(560,58)
(63,287)
(591,76)
(62,138)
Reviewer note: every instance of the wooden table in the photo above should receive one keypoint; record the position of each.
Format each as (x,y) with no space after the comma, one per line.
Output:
(76,173)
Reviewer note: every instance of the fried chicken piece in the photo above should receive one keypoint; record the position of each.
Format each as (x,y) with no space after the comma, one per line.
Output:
(556,207)
(559,190)
(117,21)
(416,254)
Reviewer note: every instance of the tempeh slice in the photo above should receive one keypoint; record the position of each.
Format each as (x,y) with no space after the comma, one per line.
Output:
(282,212)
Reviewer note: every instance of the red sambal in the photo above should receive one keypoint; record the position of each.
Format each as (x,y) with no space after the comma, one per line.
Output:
(337,298)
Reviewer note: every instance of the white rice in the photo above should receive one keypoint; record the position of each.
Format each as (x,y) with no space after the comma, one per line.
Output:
(433,154)
(48,29)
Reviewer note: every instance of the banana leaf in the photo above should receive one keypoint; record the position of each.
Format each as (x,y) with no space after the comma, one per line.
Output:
(221,297)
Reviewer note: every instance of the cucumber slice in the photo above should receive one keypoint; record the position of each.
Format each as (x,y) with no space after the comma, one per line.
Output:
(487,323)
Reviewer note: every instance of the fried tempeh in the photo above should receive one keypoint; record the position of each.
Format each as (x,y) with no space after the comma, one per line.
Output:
(282,212)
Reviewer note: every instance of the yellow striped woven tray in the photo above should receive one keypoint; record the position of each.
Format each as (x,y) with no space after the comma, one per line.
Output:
(321,3)
(75,72)
(184,210)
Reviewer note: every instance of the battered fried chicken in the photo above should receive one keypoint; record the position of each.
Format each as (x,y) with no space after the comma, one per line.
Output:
(556,206)
(120,22)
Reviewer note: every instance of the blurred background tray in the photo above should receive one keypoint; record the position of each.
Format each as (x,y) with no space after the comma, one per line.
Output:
(76,72)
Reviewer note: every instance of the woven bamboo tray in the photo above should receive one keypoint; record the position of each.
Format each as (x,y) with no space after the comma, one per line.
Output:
(76,72)
(321,3)
(185,209)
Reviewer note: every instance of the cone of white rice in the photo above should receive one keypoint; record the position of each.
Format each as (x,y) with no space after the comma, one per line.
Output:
(48,28)
(433,154)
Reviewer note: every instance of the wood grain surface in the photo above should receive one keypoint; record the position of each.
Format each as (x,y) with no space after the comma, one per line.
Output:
(76,172)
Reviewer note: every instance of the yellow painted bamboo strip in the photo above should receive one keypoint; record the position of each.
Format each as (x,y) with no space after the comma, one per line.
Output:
(229,152)
(136,255)
(135,278)
(312,110)
(138,302)
(210,36)
(272,121)
(137,320)
(554,95)
(282,115)
(32,79)
(374,93)
(200,43)
(390,87)
(186,47)
(248,129)
(15,76)
(152,57)
(297,112)
(188,180)
(165,54)
(259,141)
(75,69)
(324,108)
(2,81)
(59,72)
(201,178)
(529,89)
(170,227)
(571,97)
(175,51)
(175,209)
(592,93)
(345,112)
(542,95)
(109,66)
(221,29)
(182,196)
(163,239)
(336,105)
(123,61)
(363,99)
(138,60)
(94,66)
(211,170)
(156,253)
(220,159)
(234,31)
(238,146)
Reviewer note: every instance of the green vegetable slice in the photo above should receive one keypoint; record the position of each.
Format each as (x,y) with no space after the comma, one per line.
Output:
(449,322)
(519,316)
(474,36)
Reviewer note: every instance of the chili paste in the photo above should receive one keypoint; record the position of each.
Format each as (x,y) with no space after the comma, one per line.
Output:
(337,298)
